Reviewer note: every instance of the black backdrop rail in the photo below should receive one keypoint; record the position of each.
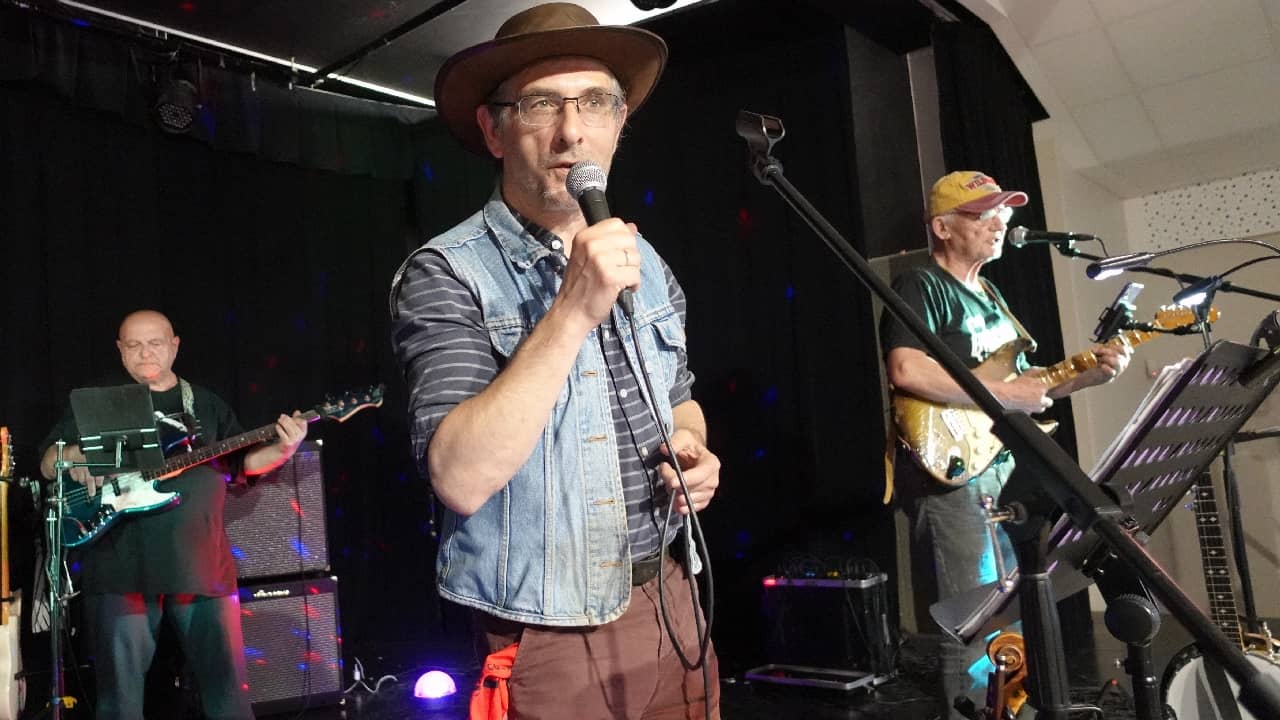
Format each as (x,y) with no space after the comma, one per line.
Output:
(275,274)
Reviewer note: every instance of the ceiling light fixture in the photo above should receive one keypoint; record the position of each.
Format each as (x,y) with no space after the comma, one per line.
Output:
(210,42)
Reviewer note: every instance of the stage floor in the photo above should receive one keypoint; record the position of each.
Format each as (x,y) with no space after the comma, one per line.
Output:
(906,695)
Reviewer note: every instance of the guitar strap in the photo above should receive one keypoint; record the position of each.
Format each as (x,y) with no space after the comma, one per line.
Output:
(188,398)
(999,300)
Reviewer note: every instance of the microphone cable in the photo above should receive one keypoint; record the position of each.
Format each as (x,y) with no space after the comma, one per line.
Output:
(692,531)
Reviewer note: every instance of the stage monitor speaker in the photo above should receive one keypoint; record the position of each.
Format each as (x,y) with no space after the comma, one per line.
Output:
(277,526)
(840,623)
(292,644)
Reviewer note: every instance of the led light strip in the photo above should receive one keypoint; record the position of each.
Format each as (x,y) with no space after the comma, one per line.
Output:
(250,53)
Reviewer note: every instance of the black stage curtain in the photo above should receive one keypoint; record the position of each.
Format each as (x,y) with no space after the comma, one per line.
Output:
(781,335)
(276,280)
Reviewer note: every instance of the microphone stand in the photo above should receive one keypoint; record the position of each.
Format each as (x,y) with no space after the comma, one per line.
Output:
(1062,482)
(1184,278)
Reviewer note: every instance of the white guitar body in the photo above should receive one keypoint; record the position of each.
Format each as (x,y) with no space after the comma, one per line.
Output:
(1187,693)
(129,494)
(12,701)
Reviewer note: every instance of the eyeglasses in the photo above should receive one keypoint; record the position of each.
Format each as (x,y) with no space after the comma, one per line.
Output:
(597,109)
(1004,212)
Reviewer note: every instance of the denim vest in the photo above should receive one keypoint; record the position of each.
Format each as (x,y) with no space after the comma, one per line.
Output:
(551,547)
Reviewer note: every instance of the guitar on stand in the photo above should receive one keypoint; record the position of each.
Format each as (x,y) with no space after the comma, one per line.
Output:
(13,687)
(1193,687)
(953,443)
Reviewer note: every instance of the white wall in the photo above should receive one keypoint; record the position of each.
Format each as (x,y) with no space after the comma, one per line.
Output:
(1242,205)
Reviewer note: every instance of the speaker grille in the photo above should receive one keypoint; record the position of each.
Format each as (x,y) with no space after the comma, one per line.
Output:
(277,527)
(292,644)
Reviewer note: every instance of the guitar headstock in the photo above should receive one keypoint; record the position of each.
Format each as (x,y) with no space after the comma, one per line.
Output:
(1169,317)
(6,453)
(348,404)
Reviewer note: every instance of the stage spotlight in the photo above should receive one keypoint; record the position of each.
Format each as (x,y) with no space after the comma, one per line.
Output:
(177,106)
(434,685)
(647,5)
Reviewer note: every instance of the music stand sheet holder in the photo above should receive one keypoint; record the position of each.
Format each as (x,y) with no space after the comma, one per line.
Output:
(1167,445)
(117,434)
(117,427)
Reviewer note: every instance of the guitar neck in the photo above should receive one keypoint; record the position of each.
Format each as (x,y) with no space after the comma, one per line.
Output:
(1213,553)
(178,463)
(1055,375)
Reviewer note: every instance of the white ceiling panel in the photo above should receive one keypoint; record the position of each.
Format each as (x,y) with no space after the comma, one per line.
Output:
(1221,103)
(1197,97)
(1084,68)
(1189,38)
(1117,128)
(1041,21)
(1273,10)
(1110,11)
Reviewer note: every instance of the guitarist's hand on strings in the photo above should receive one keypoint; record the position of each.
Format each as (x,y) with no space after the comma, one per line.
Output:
(290,432)
(1113,358)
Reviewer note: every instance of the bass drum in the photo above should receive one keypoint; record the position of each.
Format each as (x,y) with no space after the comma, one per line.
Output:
(1185,689)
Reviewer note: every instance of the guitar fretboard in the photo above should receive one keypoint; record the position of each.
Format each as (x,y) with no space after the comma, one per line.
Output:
(1055,375)
(1213,553)
(178,463)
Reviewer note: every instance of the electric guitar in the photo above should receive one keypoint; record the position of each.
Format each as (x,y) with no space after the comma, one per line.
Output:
(87,518)
(13,689)
(1187,686)
(953,443)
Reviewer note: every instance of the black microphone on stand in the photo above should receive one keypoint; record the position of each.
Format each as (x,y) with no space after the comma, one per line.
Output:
(586,182)
(1020,236)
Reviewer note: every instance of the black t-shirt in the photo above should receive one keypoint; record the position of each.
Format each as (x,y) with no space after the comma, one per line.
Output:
(971,324)
(183,549)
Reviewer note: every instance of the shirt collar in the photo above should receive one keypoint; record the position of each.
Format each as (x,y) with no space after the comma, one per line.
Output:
(523,241)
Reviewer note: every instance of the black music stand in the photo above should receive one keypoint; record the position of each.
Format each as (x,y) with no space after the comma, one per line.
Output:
(117,434)
(1165,447)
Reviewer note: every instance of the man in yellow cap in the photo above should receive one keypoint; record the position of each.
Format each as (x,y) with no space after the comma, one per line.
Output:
(527,411)
(950,548)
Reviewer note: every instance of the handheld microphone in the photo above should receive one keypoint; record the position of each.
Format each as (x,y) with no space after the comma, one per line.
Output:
(586,182)
(1021,236)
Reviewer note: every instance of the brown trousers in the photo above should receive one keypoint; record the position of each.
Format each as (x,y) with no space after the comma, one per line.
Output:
(623,670)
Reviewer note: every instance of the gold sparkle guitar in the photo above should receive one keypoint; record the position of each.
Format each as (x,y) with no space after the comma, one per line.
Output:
(953,443)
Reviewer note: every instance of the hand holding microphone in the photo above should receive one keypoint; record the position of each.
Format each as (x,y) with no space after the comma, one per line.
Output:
(604,260)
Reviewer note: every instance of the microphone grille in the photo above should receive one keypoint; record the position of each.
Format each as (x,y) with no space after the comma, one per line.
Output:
(1018,236)
(584,176)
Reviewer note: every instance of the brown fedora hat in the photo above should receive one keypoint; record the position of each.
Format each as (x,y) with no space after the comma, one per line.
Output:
(550,30)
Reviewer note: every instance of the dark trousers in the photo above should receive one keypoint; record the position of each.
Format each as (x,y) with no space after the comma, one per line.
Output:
(124,629)
(951,552)
(623,670)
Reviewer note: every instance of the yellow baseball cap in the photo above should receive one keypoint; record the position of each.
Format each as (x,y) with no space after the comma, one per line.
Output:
(970,191)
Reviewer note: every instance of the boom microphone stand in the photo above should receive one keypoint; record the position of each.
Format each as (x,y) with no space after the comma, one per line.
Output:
(1063,482)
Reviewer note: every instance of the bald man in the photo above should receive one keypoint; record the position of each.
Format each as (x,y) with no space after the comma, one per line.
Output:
(175,564)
